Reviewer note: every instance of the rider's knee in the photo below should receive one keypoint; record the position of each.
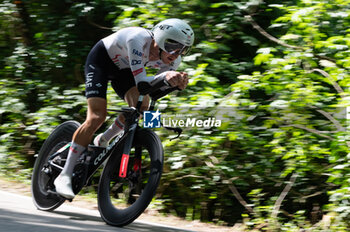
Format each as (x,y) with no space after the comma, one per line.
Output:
(132,97)
(145,105)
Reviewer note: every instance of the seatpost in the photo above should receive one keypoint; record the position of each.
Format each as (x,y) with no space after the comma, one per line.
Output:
(139,102)
(153,103)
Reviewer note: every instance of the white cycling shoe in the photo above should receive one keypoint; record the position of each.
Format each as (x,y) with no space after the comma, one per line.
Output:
(100,141)
(63,184)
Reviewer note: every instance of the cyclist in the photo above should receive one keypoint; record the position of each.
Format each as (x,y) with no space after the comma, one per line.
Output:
(121,58)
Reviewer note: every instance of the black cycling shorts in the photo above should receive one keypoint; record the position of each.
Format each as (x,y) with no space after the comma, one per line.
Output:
(100,69)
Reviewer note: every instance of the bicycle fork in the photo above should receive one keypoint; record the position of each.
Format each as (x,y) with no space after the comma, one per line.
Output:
(123,170)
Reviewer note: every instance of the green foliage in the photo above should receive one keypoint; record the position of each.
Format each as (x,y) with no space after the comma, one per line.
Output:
(279,160)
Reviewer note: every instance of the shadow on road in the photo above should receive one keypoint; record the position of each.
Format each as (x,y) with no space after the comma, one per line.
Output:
(58,221)
(135,226)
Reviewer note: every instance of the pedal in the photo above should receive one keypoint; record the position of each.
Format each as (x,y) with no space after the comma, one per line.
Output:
(54,193)
(58,195)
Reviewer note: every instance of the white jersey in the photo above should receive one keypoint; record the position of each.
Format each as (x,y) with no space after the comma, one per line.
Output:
(130,47)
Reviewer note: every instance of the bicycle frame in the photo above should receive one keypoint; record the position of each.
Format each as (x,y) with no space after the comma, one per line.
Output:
(132,120)
(95,156)
(128,136)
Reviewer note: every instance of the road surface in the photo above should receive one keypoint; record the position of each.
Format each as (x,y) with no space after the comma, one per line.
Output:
(18,213)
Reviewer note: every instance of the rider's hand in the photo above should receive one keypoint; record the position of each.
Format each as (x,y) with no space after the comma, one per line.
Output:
(177,79)
(183,81)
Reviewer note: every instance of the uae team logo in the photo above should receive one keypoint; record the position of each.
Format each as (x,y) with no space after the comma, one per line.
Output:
(151,119)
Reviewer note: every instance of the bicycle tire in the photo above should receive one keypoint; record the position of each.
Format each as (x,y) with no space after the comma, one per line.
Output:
(42,198)
(114,216)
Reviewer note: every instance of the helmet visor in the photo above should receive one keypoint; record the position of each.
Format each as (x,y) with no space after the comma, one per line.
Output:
(175,48)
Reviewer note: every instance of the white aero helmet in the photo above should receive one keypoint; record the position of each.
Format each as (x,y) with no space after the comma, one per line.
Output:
(174,36)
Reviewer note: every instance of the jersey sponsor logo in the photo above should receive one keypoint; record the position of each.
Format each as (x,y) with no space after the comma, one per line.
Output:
(92,92)
(134,51)
(158,64)
(125,61)
(137,72)
(90,75)
(88,82)
(135,62)
(116,58)
(119,46)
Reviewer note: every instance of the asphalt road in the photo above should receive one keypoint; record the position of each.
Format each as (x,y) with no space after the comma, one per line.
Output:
(18,214)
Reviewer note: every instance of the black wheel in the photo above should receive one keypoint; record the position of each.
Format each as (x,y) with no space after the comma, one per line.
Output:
(122,200)
(43,174)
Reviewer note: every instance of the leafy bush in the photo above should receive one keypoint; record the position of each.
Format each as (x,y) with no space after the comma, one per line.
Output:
(276,74)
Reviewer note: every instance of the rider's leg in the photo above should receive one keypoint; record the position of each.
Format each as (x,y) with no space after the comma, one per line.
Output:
(131,97)
(96,115)
(110,133)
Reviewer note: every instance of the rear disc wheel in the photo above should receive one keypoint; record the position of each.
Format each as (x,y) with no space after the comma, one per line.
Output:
(43,174)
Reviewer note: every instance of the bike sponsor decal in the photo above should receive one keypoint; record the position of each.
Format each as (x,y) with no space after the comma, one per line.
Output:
(137,72)
(124,165)
(135,62)
(136,52)
(105,151)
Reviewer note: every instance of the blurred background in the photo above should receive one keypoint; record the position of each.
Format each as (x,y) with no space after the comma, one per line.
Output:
(277,73)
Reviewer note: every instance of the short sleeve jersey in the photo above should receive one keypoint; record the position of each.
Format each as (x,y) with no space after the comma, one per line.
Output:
(130,47)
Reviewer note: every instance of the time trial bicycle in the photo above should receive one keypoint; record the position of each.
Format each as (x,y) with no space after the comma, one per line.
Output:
(132,164)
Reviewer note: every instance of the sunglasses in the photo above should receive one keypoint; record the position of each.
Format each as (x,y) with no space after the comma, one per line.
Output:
(175,48)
